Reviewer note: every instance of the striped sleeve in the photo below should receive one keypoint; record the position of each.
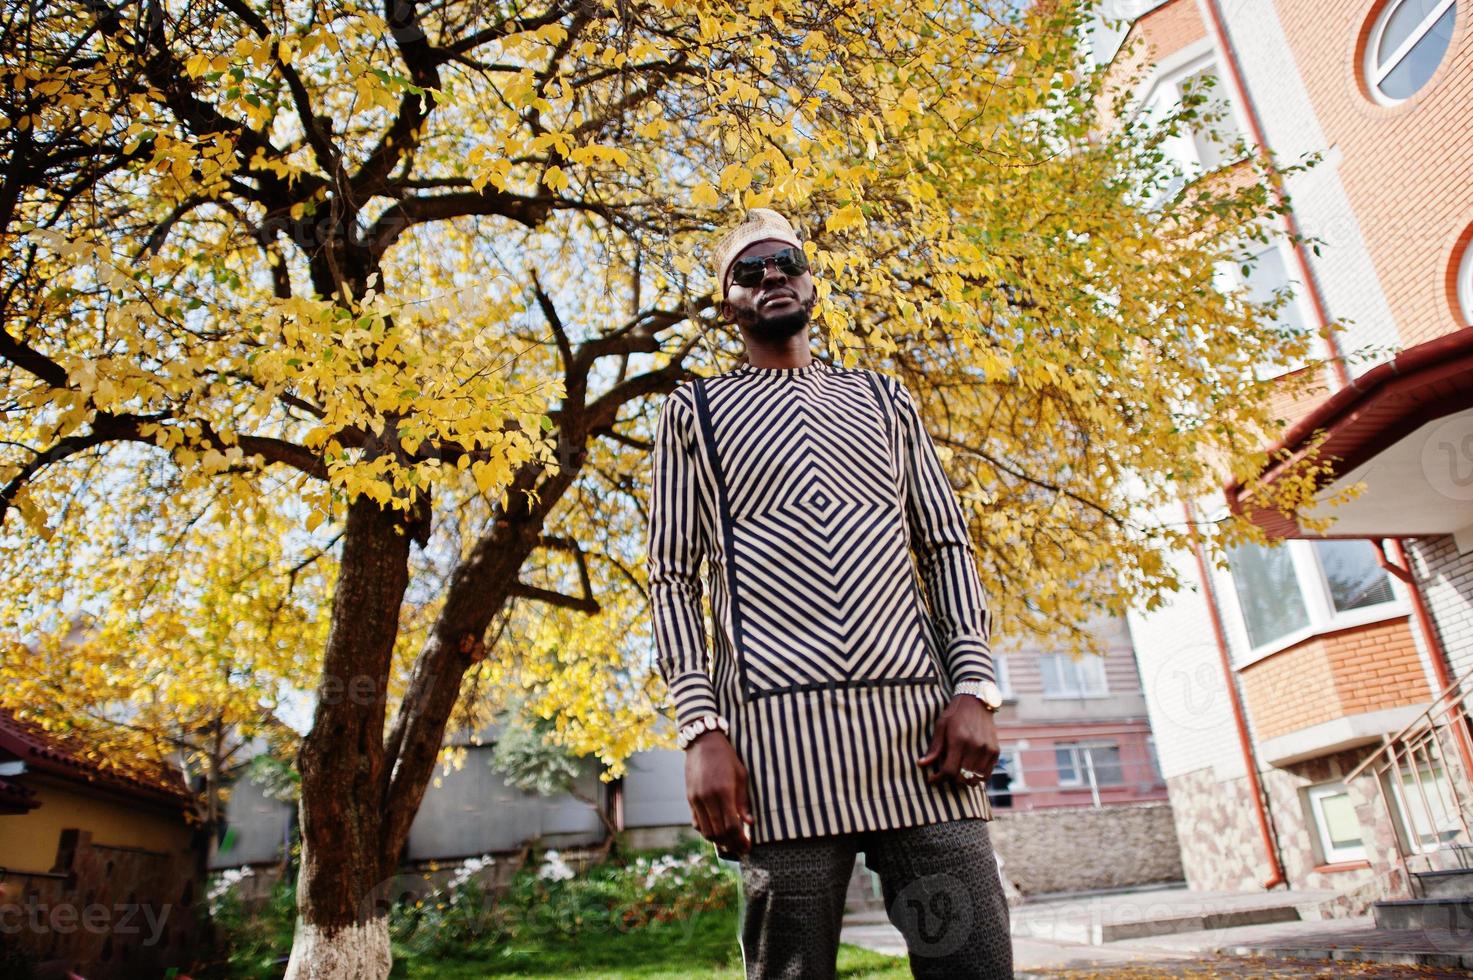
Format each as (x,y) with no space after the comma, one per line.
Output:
(944,550)
(673,559)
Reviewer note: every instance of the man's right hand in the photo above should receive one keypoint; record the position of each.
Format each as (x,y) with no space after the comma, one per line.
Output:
(716,788)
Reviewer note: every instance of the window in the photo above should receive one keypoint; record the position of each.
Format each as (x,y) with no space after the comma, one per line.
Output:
(1010,761)
(1006,778)
(1406,45)
(1296,588)
(1004,677)
(1155,759)
(1268,592)
(1268,276)
(1426,806)
(1335,822)
(1066,677)
(1066,761)
(1081,764)
(1465,282)
(1213,137)
(1352,574)
(1212,140)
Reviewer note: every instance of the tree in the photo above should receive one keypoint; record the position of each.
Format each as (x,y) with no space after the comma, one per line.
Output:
(414,274)
(218,640)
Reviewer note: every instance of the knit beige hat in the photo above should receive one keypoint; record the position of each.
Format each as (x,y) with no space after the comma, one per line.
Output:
(760,225)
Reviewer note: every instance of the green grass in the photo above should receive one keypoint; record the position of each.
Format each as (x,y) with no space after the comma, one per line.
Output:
(702,947)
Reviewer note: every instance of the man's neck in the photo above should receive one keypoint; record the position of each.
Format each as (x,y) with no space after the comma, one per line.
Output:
(792,353)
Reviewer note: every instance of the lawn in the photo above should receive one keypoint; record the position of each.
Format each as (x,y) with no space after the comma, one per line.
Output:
(657,914)
(700,947)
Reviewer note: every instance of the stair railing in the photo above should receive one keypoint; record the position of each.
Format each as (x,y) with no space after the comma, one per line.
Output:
(1419,764)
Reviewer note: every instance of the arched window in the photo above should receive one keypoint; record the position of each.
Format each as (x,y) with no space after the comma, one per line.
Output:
(1406,45)
(1465,283)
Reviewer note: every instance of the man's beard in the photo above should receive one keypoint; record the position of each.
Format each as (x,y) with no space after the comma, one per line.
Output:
(773,328)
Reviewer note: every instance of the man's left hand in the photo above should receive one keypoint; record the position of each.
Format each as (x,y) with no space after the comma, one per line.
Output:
(965,738)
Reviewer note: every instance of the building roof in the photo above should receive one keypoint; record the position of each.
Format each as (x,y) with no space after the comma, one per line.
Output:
(1365,420)
(15,798)
(70,757)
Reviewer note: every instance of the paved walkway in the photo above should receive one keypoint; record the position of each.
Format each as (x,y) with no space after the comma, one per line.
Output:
(1207,969)
(1196,935)
(1133,914)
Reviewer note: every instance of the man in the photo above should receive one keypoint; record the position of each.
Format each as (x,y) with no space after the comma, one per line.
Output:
(835,715)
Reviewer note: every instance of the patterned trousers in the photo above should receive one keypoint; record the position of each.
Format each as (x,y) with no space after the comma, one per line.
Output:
(941,891)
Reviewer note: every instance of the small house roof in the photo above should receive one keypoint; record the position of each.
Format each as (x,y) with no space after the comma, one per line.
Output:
(70,757)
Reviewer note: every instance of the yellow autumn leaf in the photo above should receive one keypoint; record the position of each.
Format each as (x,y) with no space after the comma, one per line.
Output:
(845,218)
(705,196)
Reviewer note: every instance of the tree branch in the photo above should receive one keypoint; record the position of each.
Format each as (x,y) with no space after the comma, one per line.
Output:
(26,357)
(528,211)
(586,604)
(107,428)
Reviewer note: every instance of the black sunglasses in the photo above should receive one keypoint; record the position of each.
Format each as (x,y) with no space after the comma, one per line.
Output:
(749,272)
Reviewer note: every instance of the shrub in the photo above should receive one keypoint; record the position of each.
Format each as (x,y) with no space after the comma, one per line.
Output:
(546,900)
(255,938)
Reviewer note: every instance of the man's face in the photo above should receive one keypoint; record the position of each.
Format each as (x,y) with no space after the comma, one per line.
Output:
(775,308)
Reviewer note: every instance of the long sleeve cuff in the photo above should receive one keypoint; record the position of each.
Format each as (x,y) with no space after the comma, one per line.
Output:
(969,659)
(694,695)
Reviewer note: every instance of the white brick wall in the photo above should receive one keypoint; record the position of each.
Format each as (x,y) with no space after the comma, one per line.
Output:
(1181,674)
(1346,275)
(1446,578)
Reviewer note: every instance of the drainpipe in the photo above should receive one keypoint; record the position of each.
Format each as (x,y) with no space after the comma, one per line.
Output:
(1402,569)
(1311,282)
(1245,744)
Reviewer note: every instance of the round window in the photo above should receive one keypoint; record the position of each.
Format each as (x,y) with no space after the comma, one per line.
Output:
(1406,45)
(1465,283)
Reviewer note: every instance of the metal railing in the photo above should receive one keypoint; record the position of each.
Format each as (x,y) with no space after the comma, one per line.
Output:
(1424,775)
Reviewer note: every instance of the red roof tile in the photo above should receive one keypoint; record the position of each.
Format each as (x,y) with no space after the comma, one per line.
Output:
(67,756)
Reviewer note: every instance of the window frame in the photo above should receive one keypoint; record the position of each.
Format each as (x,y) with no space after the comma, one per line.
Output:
(1182,148)
(1016,769)
(1375,73)
(1314,591)
(1406,827)
(1329,852)
(1084,770)
(1229,274)
(1465,281)
(1078,694)
(1074,764)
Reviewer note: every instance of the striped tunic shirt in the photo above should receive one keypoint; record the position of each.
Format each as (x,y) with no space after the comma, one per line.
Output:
(806,491)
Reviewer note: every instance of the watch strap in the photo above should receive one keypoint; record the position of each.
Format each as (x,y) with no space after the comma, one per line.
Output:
(975,688)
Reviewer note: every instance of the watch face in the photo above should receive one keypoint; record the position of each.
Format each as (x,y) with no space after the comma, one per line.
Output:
(991,695)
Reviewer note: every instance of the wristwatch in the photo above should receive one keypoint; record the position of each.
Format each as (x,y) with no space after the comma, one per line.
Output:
(985,691)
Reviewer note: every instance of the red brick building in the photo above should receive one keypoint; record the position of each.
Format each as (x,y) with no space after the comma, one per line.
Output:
(1283,690)
(1074,732)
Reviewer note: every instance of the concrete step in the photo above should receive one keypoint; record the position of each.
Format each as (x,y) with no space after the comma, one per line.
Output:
(1093,932)
(1452,914)
(1451,883)
(1442,948)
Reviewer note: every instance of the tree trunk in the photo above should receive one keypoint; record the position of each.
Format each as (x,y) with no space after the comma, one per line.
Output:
(360,950)
(342,925)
